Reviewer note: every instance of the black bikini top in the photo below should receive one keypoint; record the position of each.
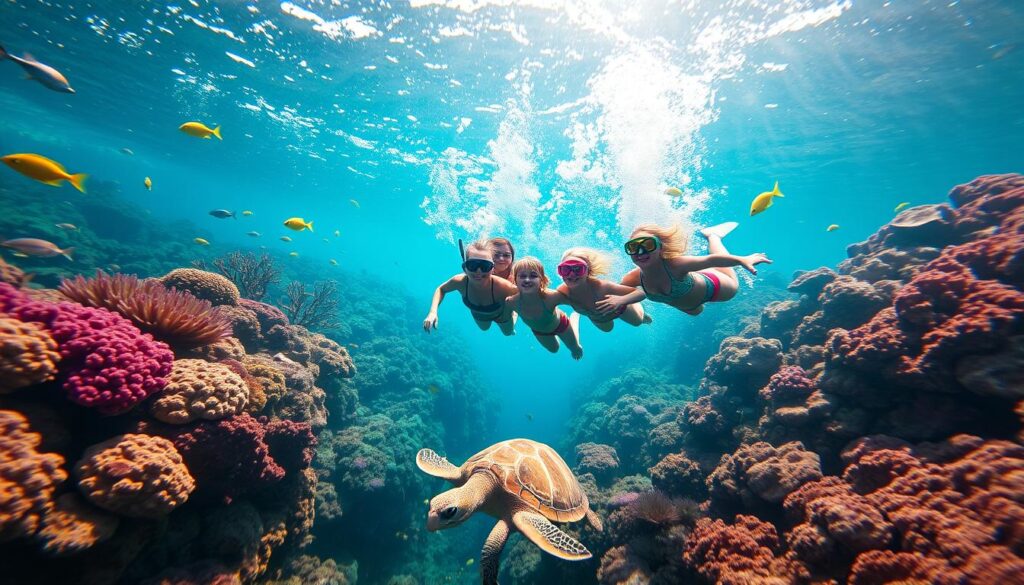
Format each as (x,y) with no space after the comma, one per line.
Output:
(494,306)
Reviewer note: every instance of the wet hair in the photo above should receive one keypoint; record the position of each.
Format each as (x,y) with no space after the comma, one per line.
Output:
(530,263)
(673,242)
(598,263)
(482,246)
(495,242)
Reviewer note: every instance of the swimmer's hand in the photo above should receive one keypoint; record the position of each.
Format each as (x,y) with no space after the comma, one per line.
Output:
(430,322)
(752,260)
(610,303)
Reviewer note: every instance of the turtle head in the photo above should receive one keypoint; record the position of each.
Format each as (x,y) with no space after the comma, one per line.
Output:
(449,509)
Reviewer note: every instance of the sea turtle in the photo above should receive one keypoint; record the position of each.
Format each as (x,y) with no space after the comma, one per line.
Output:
(522,483)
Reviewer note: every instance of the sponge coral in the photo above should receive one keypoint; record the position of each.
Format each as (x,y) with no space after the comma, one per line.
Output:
(172,316)
(106,362)
(744,552)
(27,478)
(139,476)
(204,285)
(28,355)
(200,390)
(761,471)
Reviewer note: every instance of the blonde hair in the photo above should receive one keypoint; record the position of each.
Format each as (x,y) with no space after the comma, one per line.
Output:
(482,246)
(598,263)
(673,242)
(530,263)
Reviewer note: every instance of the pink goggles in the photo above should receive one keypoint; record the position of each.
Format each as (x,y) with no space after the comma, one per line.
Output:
(573,267)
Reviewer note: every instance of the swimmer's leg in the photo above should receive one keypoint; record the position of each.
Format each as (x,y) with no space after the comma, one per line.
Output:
(605,326)
(509,327)
(635,315)
(550,342)
(483,325)
(571,336)
(729,282)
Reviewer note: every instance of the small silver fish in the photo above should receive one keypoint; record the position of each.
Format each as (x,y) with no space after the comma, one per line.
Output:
(38,248)
(67,226)
(40,72)
(128,151)
(222,213)
(254,234)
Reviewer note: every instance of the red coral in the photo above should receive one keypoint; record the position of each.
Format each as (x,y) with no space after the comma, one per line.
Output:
(761,472)
(291,443)
(744,552)
(106,362)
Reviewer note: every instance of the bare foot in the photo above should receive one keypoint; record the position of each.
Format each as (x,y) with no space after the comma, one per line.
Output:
(647,319)
(577,353)
(721,230)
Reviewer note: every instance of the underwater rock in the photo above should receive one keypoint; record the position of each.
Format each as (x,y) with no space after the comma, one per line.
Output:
(812,282)
(600,460)
(998,374)
(741,364)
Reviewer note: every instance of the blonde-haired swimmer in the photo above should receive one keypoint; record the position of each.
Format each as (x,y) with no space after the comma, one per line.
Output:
(581,269)
(665,274)
(504,256)
(483,293)
(537,306)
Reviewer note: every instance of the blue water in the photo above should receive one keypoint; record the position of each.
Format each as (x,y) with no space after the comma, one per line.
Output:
(551,123)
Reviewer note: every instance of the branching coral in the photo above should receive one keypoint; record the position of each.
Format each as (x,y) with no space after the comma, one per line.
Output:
(208,286)
(200,390)
(313,310)
(252,274)
(172,316)
(134,475)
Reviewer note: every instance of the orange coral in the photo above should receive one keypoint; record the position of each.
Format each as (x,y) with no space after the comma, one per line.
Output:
(135,475)
(73,526)
(28,355)
(270,377)
(200,390)
(27,478)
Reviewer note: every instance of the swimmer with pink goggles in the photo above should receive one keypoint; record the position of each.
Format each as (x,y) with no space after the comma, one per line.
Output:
(573,268)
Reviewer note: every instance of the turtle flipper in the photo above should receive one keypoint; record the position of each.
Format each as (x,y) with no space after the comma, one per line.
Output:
(492,552)
(433,464)
(594,520)
(548,537)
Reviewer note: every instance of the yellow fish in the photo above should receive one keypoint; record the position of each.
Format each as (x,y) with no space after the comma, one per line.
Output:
(285,239)
(148,183)
(333,262)
(247,213)
(764,200)
(673,191)
(294,254)
(298,224)
(901,207)
(44,170)
(200,130)
(337,233)
(832,227)
(354,202)
(201,242)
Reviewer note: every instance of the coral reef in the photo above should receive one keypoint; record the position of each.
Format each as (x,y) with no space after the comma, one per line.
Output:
(139,476)
(208,286)
(200,390)
(28,355)
(28,478)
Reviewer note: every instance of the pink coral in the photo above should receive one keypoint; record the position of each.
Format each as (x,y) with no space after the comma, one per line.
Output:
(267,315)
(28,478)
(106,362)
(135,475)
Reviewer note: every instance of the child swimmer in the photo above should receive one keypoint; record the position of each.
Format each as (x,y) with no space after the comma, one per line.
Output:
(537,306)
(581,269)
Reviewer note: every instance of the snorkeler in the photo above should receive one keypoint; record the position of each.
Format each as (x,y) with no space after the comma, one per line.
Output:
(580,271)
(665,274)
(477,282)
(504,256)
(538,307)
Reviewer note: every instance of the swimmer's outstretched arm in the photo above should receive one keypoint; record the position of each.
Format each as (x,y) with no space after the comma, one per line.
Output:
(613,302)
(695,263)
(430,322)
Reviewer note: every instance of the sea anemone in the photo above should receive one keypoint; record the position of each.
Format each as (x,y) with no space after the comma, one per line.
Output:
(660,511)
(172,316)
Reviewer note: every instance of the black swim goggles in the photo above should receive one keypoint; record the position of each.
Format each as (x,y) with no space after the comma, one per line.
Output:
(642,245)
(478,265)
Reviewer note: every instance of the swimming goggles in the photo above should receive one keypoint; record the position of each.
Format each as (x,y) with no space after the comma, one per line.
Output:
(478,265)
(642,245)
(572,267)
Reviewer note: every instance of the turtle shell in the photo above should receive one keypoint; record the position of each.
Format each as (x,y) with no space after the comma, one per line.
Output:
(535,474)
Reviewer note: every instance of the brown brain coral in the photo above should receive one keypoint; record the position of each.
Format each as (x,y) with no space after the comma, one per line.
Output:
(28,355)
(204,285)
(200,390)
(140,476)
(27,478)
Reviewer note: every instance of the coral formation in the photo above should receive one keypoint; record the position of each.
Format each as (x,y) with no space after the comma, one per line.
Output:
(174,317)
(200,390)
(208,286)
(28,355)
(133,475)
(28,478)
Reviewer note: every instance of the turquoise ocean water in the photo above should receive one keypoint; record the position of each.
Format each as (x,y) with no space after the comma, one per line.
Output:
(554,123)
